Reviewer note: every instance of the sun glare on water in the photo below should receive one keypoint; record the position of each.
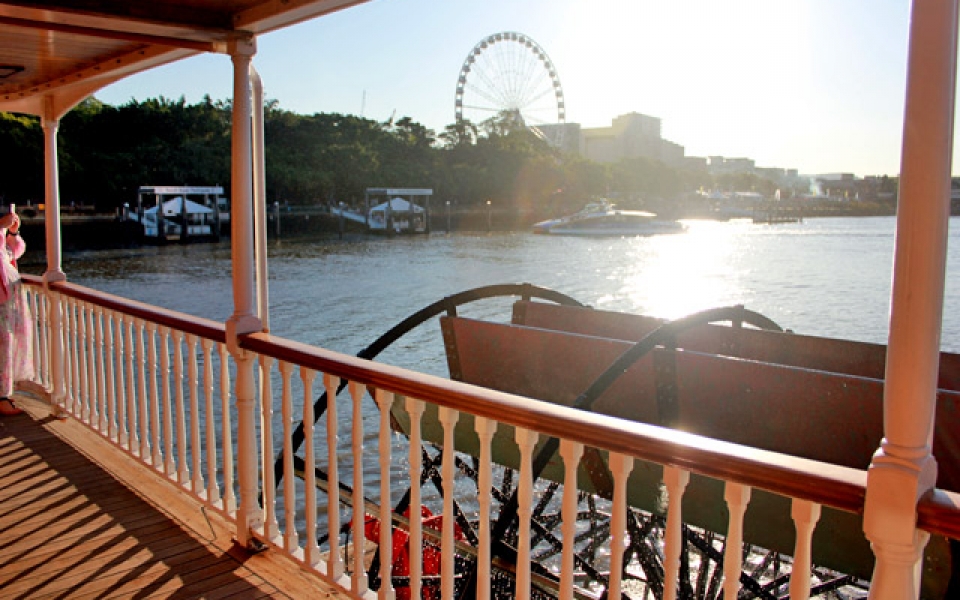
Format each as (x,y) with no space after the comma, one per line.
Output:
(675,275)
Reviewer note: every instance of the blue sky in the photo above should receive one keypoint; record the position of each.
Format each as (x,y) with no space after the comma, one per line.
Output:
(816,85)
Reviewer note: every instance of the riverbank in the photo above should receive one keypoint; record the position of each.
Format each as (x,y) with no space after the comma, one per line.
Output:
(100,232)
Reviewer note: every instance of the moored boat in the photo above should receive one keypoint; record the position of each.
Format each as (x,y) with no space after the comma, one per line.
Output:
(603,218)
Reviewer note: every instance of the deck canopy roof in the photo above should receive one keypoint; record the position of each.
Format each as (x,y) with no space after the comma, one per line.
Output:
(55,53)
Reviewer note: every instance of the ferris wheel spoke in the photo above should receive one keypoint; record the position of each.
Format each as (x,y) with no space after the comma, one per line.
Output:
(534,121)
(533,76)
(499,102)
(538,92)
(505,67)
(483,108)
(537,98)
(490,80)
(490,89)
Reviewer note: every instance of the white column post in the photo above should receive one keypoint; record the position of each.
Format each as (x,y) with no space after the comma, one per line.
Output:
(244,319)
(903,468)
(54,272)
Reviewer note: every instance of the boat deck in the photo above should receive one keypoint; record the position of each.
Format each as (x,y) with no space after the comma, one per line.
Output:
(80,519)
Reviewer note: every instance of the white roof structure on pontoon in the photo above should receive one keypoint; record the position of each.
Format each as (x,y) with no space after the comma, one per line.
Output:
(399,191)
(165,190)
(397,205)
(174,207)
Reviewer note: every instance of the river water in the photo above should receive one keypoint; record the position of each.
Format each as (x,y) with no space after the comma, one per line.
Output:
(828,277)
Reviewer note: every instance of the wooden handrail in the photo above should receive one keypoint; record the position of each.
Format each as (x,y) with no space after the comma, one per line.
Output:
(839,487)
(937,512)
(204,328)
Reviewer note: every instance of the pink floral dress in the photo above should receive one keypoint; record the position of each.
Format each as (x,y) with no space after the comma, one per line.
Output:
(16,321)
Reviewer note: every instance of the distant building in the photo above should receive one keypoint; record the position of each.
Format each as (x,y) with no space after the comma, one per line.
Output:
(720,165)
(635,135)
(629,136)
(694,163)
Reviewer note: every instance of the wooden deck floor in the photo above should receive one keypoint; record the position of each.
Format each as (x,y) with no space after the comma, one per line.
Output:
(72,528)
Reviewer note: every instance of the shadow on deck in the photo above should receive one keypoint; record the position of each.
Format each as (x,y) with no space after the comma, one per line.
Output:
(79,519)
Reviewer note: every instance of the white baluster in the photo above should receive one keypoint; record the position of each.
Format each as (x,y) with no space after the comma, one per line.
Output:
(155,443)
(102,409)
(58,356)
(83,390)
(46,340)
(144,410)
(312,550)
(571,452)
(210,423)
(45,335)
(384,401)
(119,360)
(226,434)
(485,429)
(359,576)
(737,497)
(111,383)
(620,467)
(448,419)
(193,383)
(36,330)
(36,308)
(676,481)
(229,496)
(75,368)
(415,410)
(72,377)
(805,516)
(133,435)
(335,566)
(526,440)
(169,463)
(92,390)
(270,526)
(183,471)
(290,541)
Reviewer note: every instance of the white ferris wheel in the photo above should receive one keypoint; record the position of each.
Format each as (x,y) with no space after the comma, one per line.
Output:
(509,76)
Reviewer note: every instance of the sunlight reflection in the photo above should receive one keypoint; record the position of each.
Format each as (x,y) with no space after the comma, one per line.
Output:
(676,275)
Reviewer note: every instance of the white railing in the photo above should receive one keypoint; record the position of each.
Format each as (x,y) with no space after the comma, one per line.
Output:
(158,385)
(155,383)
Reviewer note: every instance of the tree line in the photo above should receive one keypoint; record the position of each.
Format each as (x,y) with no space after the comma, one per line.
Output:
(106,152)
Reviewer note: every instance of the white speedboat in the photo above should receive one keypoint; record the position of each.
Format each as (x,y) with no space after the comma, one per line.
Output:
(603,218)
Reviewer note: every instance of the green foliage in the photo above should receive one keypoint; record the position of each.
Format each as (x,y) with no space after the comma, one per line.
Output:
(21,159)
(107,152)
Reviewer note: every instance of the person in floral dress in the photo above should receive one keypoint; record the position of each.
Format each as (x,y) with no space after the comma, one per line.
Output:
(16,337)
